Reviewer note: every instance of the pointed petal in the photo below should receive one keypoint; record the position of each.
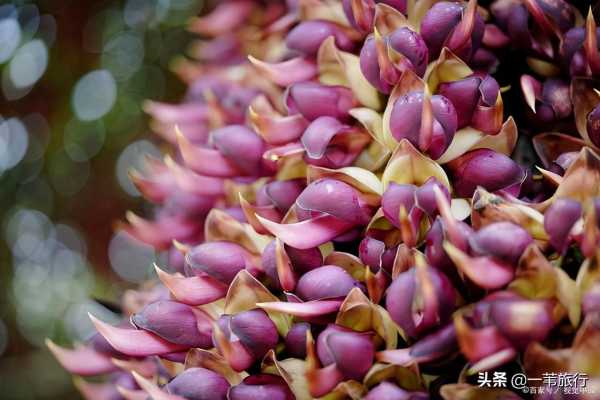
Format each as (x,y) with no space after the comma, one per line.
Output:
(483,271)
(274,128)
(81,360)
(205,161)
(237,356)
(315,308)
(532,90)
(133,342)
(269,212)
(309,233)
(193,182)
(285,73)
(195,290)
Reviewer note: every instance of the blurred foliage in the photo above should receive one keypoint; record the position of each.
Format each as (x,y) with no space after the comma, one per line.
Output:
(74,75)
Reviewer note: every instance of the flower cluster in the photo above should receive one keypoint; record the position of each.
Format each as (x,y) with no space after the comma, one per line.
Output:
(342,214)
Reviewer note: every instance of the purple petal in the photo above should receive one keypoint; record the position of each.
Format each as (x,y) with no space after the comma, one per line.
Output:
(559,220)
(136,343)
(173,321)
(195,290)
(313,100)
(199,384)
(523,321)
(396,196)
(464,95)
(503,240)
(353,353)
(437,24)
(425,198)
(261,387)
(295,340)
(309,309)
(307,37)
(412,46)
(255,330)
(309,233)
(326,282)
(220,260)
(84,361)
(283,194)
(241,146)
(336,198)
(486,168)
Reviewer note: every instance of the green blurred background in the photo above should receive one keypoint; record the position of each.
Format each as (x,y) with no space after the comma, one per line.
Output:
(73,76)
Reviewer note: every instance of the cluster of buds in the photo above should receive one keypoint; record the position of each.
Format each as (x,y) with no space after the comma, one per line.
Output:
(342,214)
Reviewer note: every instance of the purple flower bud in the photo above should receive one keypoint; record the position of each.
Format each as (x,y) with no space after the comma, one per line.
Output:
(314,100)
(281,194)
(241,146)
(255,330)
(419,299)
(334,197)
(486,168)
(328,281)
(425,197)
(352,352)
(246,337)
(434,250)
(388,391)
(370,68)
(331,144)
(593,125)
(261,387)
(307,37)
(395,197)
(464,95)
(405,122)
(381,68)
(176,322)
(471,97)
(559,220)
(295,340)
(303,260)
(101,345)
(373,252)
(503,240)
(437,24)
(361,17)
(522,321)
(199,384)
(220,260)
(445,24)
(412,46)
(555,93)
